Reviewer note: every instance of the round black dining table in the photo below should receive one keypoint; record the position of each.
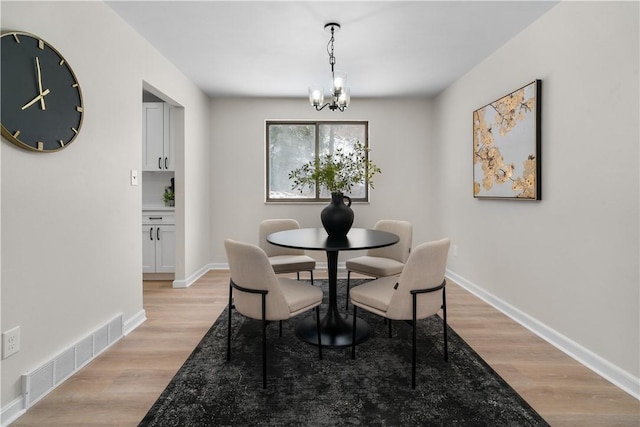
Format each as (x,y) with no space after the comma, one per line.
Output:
(336,329)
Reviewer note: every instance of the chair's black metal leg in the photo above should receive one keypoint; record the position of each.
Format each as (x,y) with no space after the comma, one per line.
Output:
(353,337)
(413,351)
(263,295)
(389,321)
(229,323)
(318,328)
(346,306)
(280,328)
(264,341)
(311,272)
(444,319)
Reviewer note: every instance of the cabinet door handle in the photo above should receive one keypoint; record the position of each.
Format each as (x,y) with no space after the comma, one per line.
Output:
(166,159)
(151,233)
(159,162)
(158,233)
(155,217)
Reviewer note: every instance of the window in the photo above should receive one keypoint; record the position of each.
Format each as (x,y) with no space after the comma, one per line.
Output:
(292,144)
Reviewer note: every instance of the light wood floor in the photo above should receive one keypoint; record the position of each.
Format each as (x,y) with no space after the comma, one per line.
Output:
(120,386)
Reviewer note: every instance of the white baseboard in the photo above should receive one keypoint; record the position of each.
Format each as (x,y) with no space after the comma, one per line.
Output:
(12,411)
(192,279)
(133,322)
(219,266)
(612,373)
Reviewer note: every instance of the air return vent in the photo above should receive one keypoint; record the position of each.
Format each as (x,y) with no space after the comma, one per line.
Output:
(38,382)
(64,365)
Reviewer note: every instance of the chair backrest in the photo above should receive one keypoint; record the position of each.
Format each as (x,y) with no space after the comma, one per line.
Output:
(269,226)
(400,251)
(250,268)
(424,269)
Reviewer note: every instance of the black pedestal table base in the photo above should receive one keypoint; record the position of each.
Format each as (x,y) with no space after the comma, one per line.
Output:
(335,331)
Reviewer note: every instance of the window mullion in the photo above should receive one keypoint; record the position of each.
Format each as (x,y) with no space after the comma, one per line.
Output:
(317,131)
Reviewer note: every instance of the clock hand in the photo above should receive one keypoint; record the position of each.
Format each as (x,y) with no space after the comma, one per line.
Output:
(36,99)
(40,84)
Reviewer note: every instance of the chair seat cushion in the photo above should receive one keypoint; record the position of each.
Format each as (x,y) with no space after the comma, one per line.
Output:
(375,266)
(292,263)
(300,296)
(375,294)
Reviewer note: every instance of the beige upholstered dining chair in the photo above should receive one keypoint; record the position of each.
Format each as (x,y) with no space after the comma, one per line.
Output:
(387,261)
(263,295)
(419,292)
(284,260)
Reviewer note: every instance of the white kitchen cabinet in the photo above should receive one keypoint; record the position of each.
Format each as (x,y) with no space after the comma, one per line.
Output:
(158,129)
(158,242)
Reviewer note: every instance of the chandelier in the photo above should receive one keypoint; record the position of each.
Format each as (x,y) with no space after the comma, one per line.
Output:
(340,94)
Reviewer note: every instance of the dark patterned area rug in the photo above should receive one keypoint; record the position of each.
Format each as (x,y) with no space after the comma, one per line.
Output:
(373,390)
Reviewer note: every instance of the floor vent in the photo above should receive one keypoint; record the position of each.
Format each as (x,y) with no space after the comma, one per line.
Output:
(40,381)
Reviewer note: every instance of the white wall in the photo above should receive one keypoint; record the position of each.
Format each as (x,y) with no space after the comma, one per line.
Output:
(71,223)
(400,145)
(569,261)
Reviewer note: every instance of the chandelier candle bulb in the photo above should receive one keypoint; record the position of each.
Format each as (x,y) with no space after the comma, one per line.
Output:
(344,97)
(316,96)
(339,81)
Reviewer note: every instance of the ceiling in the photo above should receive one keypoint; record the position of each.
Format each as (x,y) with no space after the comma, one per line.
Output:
(279,48)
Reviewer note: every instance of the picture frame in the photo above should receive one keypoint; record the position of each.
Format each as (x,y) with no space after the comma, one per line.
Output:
(506,146)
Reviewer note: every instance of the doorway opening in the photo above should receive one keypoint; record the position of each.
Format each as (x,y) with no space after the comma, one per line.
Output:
(161,186)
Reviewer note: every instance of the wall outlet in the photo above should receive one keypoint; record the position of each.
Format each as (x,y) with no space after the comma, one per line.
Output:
(10,342)
(455,250)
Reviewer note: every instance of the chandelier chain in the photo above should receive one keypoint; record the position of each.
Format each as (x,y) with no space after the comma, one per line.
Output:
(332,58)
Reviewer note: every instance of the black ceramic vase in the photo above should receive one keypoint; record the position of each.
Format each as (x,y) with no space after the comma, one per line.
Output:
(336,217)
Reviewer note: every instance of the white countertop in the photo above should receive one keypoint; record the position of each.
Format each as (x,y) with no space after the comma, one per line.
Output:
(158,208)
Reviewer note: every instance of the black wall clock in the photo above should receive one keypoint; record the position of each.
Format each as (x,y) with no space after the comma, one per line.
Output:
(41,98)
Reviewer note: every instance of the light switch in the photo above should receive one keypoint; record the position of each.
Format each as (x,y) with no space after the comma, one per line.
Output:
(134,177)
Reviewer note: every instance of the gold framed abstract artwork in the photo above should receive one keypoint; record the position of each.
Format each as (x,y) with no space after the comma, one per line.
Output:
(506,146)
